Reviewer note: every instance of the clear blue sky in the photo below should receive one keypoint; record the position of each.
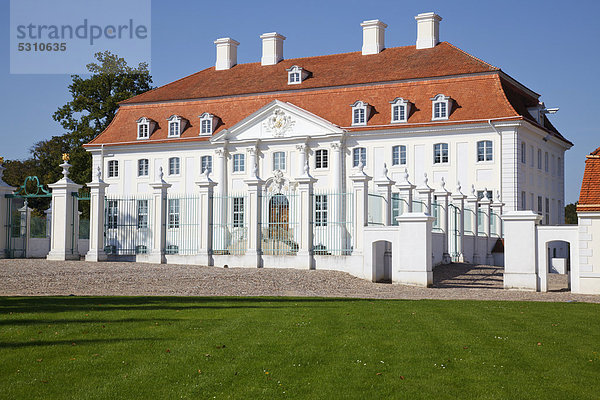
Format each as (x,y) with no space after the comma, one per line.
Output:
(551,47)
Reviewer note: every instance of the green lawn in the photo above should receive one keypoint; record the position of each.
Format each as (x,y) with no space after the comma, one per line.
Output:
(253,348)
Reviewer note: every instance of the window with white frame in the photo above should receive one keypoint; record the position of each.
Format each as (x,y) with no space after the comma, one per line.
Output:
(112,214)
(143,166)
(143,125)
(174,166)
(540,210)
(173,219)
(359,155)
(523,153)
(399,155)
(440,107)
(279,161)
(294,75)
(547,213)
(321,210)
(485,151)
(546,162)
(400,110)
(239,163)
(440,153)
(174,126)
(523,201)
(238,212)
(321,159)
(206,164)
(531,156)
(113,169)
(360,113)
(142,214)
(539,159)
(207,124)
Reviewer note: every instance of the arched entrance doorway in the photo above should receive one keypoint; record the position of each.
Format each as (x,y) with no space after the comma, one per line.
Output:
(279,215)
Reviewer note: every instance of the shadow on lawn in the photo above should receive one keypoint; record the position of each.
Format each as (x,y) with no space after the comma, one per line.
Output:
(69,343)
(30,322)
(149,303)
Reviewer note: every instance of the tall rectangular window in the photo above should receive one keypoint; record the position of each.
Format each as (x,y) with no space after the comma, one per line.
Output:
(206,164)
(523,153)
(238,212)
(399,155)
(540,206)
(143,167)
(359,116)
(440,110)
(523,201)
(206,126)
(359,155)
(539,159)
(142,214)
(173,220)
(320,210)
(559,167)
(174,128)
(143,131)
(112,213)
(440,153)
(113,169)
(398,113)
(546,162)
(279,161)
(321,159)
(547,214)
(531,156)
(485,150)
(174,166)
(239,163)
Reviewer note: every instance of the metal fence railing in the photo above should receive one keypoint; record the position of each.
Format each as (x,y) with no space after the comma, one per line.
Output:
(127,224)
(469,221)
(332,223)
(377,204)
(37,227)
(229,224)
(280,223)
(182,222)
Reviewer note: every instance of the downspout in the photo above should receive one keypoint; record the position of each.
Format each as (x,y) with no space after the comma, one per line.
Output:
(101,161)
(501,165)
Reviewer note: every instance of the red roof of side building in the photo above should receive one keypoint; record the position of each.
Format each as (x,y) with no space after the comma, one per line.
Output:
(478,90)
(589,197)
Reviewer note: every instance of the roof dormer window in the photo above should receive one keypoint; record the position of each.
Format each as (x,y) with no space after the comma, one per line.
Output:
(144,128)
(207,124)
(400,110)
(441,107)
(296,75)
(174,126)
(360,113)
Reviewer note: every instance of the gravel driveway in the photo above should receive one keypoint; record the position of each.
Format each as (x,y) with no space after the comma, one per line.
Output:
(41,277)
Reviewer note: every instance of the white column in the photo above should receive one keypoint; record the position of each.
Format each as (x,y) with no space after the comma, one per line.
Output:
(62,246)
(219,237)
(384,188)
(305,189)
(336,166)
(425,193)
(360,192)
(4,190)
(254,209)
(472,204)
(302,157)
(406,193)
(159,201)
(442,196)
(413,266)
(205,234)
(97,192)
(339,203)
(485,206)
(458,200)
(520,244)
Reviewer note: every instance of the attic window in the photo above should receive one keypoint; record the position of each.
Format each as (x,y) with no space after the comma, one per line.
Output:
(360,113)
(174,126)
(296,75)
(440,107)
(400,110)
(143,128)
(207,124)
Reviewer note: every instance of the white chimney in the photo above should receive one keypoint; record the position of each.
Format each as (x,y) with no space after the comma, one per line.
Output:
(373,36)
(428,30)
(272,48)
(226,53)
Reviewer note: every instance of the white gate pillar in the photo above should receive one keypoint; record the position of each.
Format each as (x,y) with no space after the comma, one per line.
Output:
(360,189)
(413,265)
(305,188)
(442,196)
(97,192)
(425,192)
(254,208)
(497,207)
(458,200)
(205,234)
(473,205)
(486,207)
(520,254)
(384,189)
(4,190)
(406,193)
(62,244)
(159,202)
(25,227)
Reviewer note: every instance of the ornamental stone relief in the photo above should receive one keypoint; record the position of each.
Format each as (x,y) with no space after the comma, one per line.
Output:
(279,123)
(278,183)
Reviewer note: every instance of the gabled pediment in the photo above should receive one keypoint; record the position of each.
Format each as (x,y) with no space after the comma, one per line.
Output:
(278,120)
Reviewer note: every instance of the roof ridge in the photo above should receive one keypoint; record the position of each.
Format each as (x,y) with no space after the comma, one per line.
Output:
(473,57)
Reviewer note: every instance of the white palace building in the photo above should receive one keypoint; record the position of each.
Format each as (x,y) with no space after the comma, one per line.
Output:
(324,162)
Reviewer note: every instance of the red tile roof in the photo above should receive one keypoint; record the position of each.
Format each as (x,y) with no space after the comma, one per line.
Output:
(478,90)
(589,197)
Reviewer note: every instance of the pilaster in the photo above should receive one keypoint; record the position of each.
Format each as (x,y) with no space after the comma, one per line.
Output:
(159,201)
(97,193)
(360,189)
